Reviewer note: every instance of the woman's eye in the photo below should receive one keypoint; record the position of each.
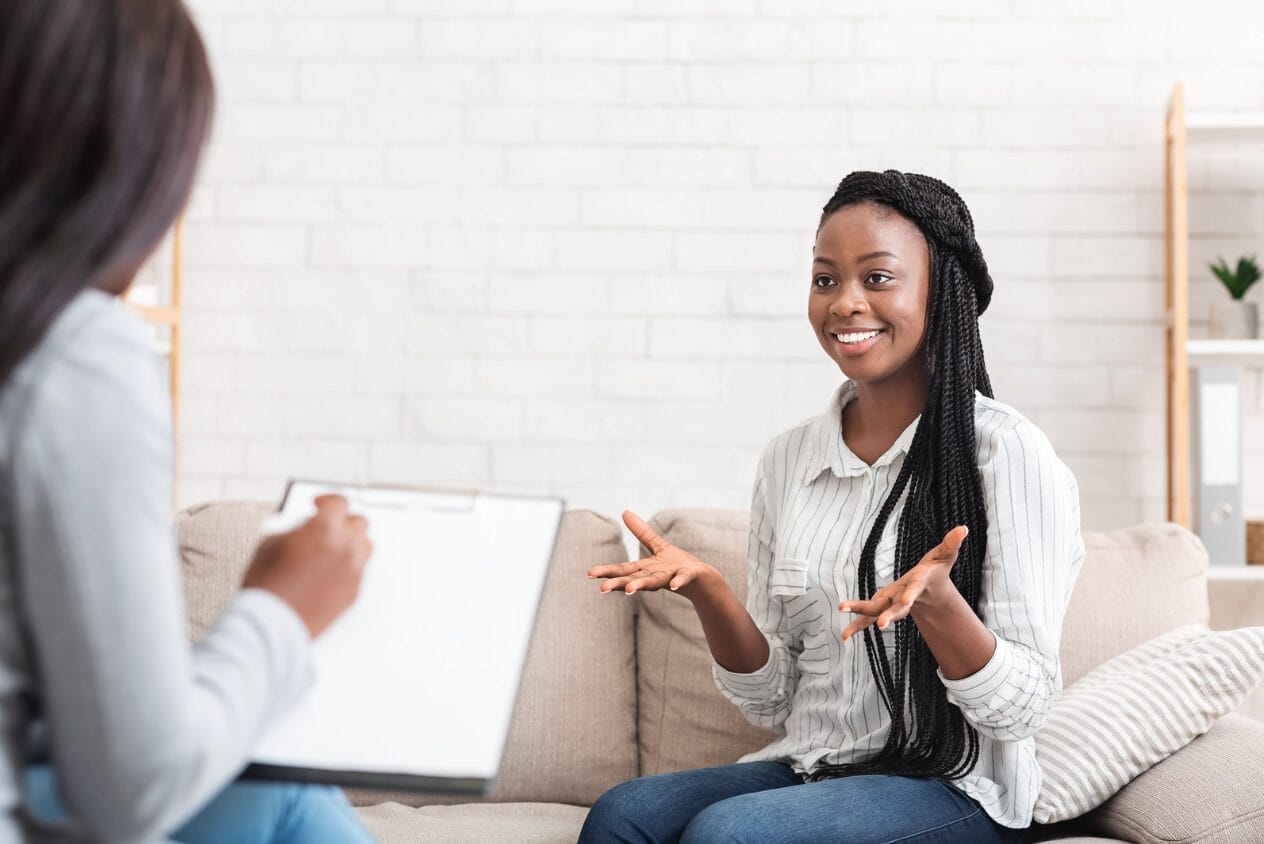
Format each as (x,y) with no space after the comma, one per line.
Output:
(878,278)
(822,281)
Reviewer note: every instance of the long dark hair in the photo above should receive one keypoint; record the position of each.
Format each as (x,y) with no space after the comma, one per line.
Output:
(105,106)
(929,737)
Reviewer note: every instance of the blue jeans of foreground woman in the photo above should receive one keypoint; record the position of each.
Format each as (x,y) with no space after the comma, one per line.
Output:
(768,803)
(243,813)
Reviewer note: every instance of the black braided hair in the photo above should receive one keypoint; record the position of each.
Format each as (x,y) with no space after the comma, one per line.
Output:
(929,737)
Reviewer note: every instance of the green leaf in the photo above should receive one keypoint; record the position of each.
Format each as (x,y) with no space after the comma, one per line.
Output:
(1238,280)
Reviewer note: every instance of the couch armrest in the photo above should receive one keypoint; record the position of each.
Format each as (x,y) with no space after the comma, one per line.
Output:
(1210,790)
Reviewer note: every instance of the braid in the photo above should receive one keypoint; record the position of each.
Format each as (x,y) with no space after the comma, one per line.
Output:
(929,737)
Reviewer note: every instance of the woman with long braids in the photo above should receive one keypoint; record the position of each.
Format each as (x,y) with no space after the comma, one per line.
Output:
(114,729)
(912,551)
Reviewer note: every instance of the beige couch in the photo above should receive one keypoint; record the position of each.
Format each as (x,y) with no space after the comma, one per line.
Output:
(616,687)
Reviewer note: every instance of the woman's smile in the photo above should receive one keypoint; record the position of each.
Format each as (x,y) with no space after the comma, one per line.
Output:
(856,342)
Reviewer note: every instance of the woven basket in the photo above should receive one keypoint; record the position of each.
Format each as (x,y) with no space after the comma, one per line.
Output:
(1255,542)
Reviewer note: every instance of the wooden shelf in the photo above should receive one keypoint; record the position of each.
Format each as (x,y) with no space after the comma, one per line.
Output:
(1182,352)
(1240,351)
(1225,121)
(1215,572)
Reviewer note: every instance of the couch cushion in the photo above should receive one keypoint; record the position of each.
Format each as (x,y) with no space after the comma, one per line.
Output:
(217,542)
(684,720)
(1238,603)
(574,728)
(1212,790)
(1136,583)
(1137,709)
(502,823)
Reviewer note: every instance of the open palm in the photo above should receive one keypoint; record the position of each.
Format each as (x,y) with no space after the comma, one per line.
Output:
(896,600)
(667,566)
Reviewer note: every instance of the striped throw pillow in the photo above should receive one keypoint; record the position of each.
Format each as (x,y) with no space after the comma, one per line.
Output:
(1137,709)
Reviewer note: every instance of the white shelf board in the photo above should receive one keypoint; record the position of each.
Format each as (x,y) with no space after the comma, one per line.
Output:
(1254,572)
(1225,121)
(1240,350)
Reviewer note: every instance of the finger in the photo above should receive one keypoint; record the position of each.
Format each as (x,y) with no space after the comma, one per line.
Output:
(653,580)
(952,542)
(358,524)
(856,626)
(616,584)
(644,532)
(331,506)
(616,569)
(872,607)
(364,550)
(912,591)
(682,578)
(896,613)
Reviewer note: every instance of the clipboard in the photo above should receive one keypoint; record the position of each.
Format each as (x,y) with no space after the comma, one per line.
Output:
(416,682)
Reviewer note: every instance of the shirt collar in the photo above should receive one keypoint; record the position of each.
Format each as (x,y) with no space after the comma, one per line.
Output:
(831,451)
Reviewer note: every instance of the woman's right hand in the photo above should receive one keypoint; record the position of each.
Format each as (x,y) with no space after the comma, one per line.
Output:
(668,566)
(315,568)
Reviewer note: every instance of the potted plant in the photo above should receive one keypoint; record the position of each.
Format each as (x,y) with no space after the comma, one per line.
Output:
(1235,319)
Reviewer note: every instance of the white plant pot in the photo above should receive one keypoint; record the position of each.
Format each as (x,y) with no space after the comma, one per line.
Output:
(1233,320)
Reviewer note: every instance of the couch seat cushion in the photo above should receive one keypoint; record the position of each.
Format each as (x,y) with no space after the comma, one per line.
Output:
(487,823)
(1212,790)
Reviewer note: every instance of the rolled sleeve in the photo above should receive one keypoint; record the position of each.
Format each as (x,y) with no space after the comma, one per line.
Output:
(1034,553)
(762,695)
(981,689)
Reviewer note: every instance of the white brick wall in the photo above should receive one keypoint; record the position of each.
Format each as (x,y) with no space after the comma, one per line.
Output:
(561,246)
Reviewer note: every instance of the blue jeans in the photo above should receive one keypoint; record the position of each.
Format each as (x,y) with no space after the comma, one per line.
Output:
(244,813)
(768,802)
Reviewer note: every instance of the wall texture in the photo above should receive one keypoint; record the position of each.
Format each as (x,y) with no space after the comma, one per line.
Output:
(563,247)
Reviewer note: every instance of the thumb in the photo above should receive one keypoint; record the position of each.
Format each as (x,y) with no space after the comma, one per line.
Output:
(954,538)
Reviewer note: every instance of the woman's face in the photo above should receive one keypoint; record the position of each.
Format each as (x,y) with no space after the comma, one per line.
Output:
(870,271)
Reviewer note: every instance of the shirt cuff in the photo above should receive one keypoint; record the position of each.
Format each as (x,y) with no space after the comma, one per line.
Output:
(981,686)
(756,685)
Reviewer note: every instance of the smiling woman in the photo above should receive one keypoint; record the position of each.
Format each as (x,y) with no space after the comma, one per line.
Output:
(911,553)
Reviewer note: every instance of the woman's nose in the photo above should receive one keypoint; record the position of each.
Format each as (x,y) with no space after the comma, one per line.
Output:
(848,301)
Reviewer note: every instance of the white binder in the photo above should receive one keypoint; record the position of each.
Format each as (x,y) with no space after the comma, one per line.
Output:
(1217,464)
(416,683)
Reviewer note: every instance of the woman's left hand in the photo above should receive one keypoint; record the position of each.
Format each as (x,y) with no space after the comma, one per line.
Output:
(896,600)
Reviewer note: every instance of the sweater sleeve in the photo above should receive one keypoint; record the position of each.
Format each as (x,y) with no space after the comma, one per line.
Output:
(143,729)
(1034,553)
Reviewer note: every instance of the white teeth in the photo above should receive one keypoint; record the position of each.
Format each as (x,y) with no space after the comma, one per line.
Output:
(856,338)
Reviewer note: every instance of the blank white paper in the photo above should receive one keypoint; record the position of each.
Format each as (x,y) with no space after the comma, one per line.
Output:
(419,677)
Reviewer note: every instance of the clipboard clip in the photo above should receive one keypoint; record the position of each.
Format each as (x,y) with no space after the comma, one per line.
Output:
(389,497)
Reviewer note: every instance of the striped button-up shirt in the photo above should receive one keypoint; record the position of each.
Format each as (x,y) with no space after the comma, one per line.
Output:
(814,504)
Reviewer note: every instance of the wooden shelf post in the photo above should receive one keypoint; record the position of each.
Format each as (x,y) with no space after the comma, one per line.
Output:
(1176,301)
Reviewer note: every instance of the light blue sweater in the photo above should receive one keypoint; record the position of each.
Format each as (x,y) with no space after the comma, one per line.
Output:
(143,728)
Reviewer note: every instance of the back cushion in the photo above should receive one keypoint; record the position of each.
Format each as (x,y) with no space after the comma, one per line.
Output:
(574,728)
(217,542)
(1136,583)
(684,720)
